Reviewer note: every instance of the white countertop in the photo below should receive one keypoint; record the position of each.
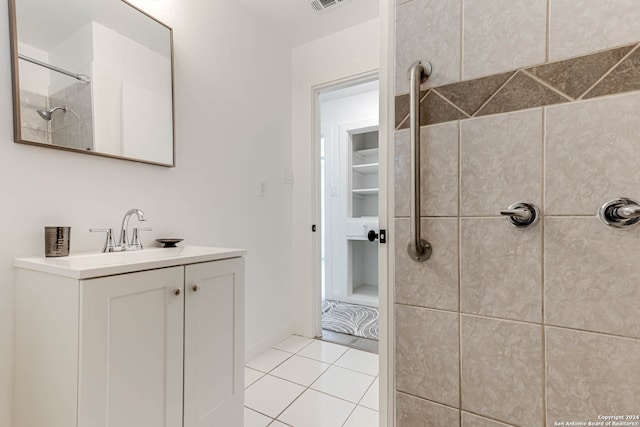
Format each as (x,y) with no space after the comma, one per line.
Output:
(92,264)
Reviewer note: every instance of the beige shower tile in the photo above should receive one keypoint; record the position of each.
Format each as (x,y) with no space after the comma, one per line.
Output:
(592,154)
(470,420)
(470,95)
(435,109)
(590,374)
(502,370)
(415,412)
(501,159)
(624,78)
(438,171)
(576,30)
(575,76)
(502,35)
(33,135)
(433,283)
(501,270)
(427,354)
(418,23)
(591,276)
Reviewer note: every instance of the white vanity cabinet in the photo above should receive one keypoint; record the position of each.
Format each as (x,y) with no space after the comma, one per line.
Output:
(161,347)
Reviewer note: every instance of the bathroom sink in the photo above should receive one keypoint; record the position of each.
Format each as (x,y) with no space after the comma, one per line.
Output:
(90,265)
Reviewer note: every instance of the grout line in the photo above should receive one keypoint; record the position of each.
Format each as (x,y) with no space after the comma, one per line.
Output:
(542,264)
(451,103)
(489,418)
(547,85)
(605,75)
(461,40)
(588,331)
(428,400)
(401,123)
(460,271)
(494,94)
(547,52)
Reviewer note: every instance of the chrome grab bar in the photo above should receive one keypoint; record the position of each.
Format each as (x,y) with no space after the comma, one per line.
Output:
(419,249)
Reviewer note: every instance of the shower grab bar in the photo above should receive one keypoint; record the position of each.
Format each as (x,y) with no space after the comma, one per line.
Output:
(419,249)
(82,77)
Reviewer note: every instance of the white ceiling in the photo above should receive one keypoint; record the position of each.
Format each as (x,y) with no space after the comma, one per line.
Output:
(298,23)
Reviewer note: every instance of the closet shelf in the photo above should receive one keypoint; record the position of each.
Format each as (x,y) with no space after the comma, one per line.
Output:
(365,191)
(363,154)
(366,169)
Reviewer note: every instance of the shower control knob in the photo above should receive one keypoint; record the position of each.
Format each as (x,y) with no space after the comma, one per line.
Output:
(521,215)
(620,213)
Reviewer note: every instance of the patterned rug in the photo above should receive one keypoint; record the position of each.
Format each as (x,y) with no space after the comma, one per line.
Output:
(358,320)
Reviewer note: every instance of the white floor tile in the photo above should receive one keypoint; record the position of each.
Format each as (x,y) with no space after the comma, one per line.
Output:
(360,361)
(314,409)
(293,344)
(254,419)
(363,417)
(372,396)
(343,383)
(323,351)
(268,360)
(277,423)
(300,370)
(270,395)
(251,376)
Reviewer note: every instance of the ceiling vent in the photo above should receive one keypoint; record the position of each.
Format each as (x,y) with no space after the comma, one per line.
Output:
(320,5)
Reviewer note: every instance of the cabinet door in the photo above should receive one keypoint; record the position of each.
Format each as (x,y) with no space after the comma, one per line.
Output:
(131,350)
(214,344)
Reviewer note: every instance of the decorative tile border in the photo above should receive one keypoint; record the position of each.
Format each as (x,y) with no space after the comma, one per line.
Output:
(599,74)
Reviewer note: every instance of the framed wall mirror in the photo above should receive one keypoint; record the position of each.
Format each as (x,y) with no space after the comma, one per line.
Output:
(94,77)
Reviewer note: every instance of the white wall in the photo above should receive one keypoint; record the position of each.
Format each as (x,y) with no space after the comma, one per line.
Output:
(128,74)
(233,128)
(347,53)
(33,78)
(74,54)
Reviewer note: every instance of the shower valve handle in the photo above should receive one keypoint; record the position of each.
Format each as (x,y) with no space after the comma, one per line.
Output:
(521,215)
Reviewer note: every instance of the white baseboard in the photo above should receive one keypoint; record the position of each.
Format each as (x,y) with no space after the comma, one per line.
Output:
(266,343)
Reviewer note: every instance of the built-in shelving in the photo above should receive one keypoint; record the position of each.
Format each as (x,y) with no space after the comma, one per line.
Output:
(365,191)
(367,168)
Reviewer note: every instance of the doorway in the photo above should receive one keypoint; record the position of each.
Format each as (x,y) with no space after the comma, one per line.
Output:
(348,198)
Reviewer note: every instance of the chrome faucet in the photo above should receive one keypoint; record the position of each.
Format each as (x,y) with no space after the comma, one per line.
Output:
(123,242)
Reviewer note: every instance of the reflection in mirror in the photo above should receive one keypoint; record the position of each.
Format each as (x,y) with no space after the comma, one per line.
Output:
(93,76)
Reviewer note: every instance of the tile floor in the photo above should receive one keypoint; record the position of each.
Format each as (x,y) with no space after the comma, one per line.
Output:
(310,383)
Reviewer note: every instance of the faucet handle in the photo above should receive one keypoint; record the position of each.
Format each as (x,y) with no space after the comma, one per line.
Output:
(109,245)
(136,242)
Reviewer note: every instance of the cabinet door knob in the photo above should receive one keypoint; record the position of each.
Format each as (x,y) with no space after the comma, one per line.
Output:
(178,291)
(195,288)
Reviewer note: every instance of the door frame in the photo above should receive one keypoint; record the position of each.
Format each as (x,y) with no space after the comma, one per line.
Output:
(316,129)
(385,211)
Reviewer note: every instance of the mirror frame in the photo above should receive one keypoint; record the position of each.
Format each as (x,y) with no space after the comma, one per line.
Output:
(15,80)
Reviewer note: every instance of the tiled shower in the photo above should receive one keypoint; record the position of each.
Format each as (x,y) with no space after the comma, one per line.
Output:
(529,101)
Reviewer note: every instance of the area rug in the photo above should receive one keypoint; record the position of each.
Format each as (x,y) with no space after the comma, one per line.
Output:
(357,320)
